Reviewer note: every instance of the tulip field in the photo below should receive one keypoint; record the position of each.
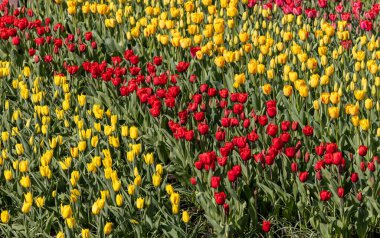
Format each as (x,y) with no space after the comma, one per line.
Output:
(190,118)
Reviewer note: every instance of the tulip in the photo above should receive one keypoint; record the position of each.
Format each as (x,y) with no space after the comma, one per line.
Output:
(85,233)
(107,228)
(220,198)
(19,149)
(148,158)
(119,200)
(40,201)
(156,178)
(133,132)
(140,203)
(362,151)
(5,216)
(26,207)
(185,217)
(325,195)
(266,226)
(66,211)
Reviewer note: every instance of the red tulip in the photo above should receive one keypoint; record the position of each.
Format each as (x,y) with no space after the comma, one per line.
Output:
(182,66)
(263,120)
(193,181)
(266,226)
(231,175)
(362,150)
(308,131)
(371,166)
(220,135)
(252,136)
(319,175)
(220,198)
(363,166)
(189,135)
(303,176)
(331,147)
(269,159)
(16,40)
(354,177)
(88,36)
(270,103)
(215,182)
(320,150)
(294,167)
(203,128)
(294,125)
(271,111)
(272,130)
(238,108)
(285,137)
(222,161)
(325,195)
(285,125)
(340,192)
(290,152)
(198,165)
(157,60)
(359,196)
(366,25)
(226,208)
(322,3)
(337,158)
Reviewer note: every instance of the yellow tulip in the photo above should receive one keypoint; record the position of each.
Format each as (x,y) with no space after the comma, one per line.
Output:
(304,91)
(23,166)
(119,200)
(85,233)
(71,222)
(175,198)
(66,211)
(159,169)
(19,149)
(25,181)
(140,203)
(82,145)
(5,217)
(355,121)
(156,178)
(26,207)
(8,175)
(288,90)
(107,228)
(131,189)
(267,89)
(134,132)
(26,71)
(185,217)
(81,100)
(368,104)
(359,94)
(148,158)
(137,181)
(316,104)
(219,61)
(364,124)
(333,112)
(4,136)
(314,80)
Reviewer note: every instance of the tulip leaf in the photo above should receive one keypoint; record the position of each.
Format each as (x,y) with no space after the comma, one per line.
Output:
(362,223)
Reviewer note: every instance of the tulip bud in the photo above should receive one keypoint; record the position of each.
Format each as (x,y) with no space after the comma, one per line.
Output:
(359,196)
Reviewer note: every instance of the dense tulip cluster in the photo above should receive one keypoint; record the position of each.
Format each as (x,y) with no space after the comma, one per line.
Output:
(128,118)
